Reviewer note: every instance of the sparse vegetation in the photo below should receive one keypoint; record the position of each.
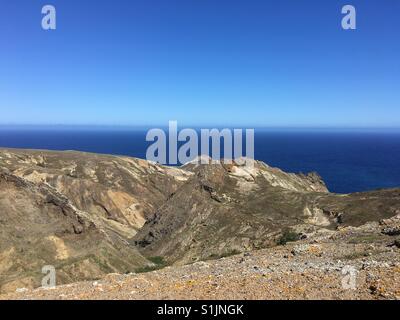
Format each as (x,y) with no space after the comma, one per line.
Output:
(224,255)
(360,254)
(159,263)
(229,253)
(288,236)
(367,238)
(158,260)
(355,255)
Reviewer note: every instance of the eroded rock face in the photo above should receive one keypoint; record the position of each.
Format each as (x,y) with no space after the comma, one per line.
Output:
(121,191)
(91,214)
(39,226)
(114,195)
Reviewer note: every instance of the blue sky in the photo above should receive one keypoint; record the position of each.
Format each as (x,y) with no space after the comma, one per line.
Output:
(201,62)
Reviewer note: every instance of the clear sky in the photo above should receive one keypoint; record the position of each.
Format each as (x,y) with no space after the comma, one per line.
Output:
(201,62)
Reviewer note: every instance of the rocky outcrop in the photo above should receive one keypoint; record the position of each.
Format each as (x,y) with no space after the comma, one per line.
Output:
(391,226)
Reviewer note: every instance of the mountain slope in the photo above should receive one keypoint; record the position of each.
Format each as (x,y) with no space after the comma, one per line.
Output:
(121,191)
(39,227)
(226,209)
(90,214)
(309,269)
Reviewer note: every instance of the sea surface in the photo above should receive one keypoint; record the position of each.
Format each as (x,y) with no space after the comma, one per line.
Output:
(348,161)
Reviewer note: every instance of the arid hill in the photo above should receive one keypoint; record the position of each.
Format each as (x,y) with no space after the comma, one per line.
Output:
(90,215)
(225,209)
(75,211)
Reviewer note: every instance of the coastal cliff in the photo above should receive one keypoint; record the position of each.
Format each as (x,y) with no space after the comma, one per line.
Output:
(90,215)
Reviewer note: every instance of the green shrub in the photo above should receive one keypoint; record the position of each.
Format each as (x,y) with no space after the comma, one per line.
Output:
(288,236)
(158,260)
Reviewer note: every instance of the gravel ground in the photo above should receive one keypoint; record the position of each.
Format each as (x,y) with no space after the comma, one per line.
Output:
(301,270)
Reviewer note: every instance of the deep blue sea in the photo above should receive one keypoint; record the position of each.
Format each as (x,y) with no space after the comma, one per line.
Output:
(347,161)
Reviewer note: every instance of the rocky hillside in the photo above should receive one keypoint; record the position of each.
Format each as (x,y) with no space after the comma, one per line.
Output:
(89,214)
(39,226)
(319,267)
(122,192)
(224,209)
(75,211)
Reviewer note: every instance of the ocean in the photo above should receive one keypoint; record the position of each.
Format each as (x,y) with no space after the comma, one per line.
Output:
(348,161)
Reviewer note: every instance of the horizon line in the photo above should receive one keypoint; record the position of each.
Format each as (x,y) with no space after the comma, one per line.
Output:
(198,126)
